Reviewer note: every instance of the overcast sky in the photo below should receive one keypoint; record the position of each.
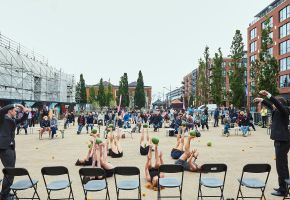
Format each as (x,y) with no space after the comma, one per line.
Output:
(104,39)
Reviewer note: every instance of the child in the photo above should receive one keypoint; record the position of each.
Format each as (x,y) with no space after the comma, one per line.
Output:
(226,122)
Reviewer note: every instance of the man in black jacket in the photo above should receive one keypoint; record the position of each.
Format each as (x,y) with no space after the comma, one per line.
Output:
(280,135)
(8,125)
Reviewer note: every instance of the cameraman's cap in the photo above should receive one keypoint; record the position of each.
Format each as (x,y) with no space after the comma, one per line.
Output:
(10,106)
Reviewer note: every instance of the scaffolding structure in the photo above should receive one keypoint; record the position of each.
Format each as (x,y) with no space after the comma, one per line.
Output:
(25,75)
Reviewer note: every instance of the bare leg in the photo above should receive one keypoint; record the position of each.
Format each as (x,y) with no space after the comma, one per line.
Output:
(118,143)
(181,143)
(142,138)
(148,166)
(157,158)
(96,157)
(177,141)
(147,137)
(103,159)
(187,152)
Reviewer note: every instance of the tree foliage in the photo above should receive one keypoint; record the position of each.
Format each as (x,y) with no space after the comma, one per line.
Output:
(206,74)
(237,71)
(101,94)
(265,69)
(109,95)
(201,87)
(217,79)
(124,91)
(139,97)
(92,97)
(78,93)
(83,94)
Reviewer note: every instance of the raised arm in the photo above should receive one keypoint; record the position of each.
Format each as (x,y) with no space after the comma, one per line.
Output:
(277,103)
(266,103)
(25,113)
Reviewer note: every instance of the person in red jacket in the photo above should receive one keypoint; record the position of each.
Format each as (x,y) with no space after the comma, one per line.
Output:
(81,123)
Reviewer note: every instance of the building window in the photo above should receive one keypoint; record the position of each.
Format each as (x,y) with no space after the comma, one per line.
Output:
(224,72)
(284,30)
(285,64)
(284,47)
(253,33)
(285,81)
(284,13)
(270,23)
(271,35)
(253,58)
(270,51)
(253,46)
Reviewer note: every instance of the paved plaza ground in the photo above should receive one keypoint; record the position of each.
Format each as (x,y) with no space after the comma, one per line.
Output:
(235,151)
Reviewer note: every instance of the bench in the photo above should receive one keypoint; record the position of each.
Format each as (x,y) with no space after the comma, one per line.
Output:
(61,131)
(236,130)
(168,130)
(128,130)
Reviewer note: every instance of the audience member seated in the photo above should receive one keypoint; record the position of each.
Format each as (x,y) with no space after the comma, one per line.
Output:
(53,126)
(44,126)
(89,122)
(244,123)
(23,124)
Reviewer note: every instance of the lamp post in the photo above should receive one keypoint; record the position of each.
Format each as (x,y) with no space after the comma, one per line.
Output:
(169,94)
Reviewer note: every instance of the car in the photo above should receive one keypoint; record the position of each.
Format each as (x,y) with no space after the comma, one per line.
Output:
(211,108)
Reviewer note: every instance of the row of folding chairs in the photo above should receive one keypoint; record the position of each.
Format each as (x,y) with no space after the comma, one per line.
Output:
(94,180)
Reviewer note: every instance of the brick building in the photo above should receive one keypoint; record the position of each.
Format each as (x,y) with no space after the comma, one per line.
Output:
(278,13)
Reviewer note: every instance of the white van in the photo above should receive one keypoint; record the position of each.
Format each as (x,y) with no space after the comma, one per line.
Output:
(211,108)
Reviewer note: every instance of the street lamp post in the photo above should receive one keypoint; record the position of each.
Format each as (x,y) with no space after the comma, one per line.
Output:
(169,94)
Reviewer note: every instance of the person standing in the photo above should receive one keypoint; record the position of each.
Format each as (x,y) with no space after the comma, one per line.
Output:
(81,123)
(216,117)
(8,123)
(264,113)
(280,135)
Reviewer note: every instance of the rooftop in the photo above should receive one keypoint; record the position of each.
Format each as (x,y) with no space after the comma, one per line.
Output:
(267,10)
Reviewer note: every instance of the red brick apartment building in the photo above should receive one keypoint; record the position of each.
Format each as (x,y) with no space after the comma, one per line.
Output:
(279,14)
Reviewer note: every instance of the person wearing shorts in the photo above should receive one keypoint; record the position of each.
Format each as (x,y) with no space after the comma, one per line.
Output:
(114,144)
(144,144)
(188,158)
(177,151)
(152,171)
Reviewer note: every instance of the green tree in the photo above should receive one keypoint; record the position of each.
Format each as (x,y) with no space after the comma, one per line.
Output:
(139,97)
(92,97)
(206,74)
(237,70)
(109,95)
(124,91)
(83,94)
(78,93)
(269,70)
(217,79)
(101,94)
(125,95)
(201,91)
